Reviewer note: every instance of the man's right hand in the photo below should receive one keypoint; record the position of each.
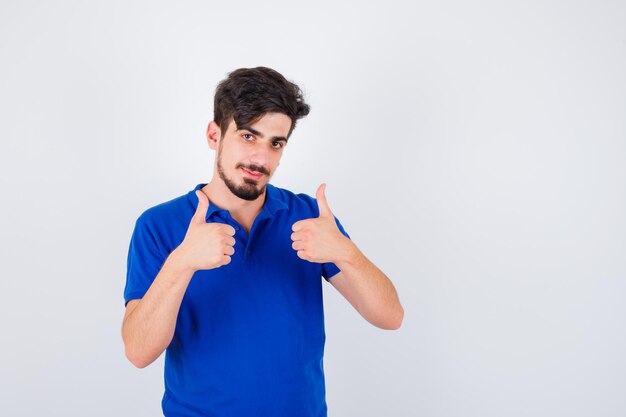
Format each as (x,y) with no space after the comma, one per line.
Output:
(206,245)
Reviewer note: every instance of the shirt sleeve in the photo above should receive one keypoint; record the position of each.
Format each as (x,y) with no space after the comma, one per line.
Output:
(144,261)
(329,269)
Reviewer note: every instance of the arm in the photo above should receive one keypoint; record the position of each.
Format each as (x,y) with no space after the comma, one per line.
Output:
(149,323)
(367,288)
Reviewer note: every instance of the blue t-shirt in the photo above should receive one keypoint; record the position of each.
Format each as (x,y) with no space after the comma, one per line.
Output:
(249,338)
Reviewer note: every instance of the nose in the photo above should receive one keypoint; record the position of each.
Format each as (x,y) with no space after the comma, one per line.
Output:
(260,156)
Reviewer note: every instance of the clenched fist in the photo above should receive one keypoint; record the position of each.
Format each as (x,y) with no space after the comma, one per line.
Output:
(319,239)
(206,245)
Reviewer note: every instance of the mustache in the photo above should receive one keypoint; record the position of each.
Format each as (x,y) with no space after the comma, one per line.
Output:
(254,168)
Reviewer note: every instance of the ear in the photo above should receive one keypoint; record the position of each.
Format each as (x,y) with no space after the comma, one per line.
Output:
(213,134)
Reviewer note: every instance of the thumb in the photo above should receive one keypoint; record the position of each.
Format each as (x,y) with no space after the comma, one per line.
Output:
(322,204)
(199,217)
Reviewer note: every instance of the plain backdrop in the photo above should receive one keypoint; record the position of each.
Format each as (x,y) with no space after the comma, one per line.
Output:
(475,151)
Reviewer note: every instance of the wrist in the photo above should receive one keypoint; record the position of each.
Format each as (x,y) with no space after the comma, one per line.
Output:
(348,253)
(177,262)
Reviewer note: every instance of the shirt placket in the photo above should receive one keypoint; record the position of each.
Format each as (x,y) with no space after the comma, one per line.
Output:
(240,234)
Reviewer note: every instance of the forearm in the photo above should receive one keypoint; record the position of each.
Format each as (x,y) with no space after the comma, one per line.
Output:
(149,328)
(375,297)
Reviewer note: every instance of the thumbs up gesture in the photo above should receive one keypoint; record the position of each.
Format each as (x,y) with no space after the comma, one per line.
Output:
(318,239)
(206,245)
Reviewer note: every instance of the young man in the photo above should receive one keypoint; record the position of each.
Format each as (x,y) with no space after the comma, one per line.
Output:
(227,278)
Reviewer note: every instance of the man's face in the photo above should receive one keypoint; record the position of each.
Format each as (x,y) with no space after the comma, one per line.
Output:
(247,156)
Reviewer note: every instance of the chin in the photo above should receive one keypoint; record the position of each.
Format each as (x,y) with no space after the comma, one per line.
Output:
(249,190)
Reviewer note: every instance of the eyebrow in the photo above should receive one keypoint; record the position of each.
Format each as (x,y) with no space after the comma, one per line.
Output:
(261,135)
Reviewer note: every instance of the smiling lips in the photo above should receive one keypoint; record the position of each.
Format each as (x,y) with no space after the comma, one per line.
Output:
(254,175)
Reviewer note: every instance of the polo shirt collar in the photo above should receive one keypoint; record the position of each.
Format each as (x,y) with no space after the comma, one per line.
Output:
(274,201)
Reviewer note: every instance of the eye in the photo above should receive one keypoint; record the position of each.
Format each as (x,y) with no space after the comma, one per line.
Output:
(277,144)
(247,136)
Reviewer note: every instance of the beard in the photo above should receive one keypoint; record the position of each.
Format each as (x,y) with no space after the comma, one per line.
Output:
(249,190)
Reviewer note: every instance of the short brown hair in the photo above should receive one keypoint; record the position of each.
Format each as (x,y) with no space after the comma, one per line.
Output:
(248,93)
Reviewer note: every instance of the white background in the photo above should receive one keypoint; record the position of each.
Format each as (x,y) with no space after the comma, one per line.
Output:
(475,151)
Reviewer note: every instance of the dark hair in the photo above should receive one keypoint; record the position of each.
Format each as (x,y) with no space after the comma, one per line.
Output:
(248,93)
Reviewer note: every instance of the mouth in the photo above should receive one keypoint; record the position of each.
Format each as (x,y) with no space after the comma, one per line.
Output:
(252,174)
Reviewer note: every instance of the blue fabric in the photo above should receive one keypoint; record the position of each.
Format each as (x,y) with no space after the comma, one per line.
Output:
(249,338)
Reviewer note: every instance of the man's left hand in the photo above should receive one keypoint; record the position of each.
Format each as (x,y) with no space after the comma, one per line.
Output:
(319,239)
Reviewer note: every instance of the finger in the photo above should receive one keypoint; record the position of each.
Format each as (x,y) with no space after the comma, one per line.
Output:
(297,245)
(300,237)
(229,250)
(199,217)
(230,241)
(302,255)
(228,229)
(299,225)
(225,260)
(322,203)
